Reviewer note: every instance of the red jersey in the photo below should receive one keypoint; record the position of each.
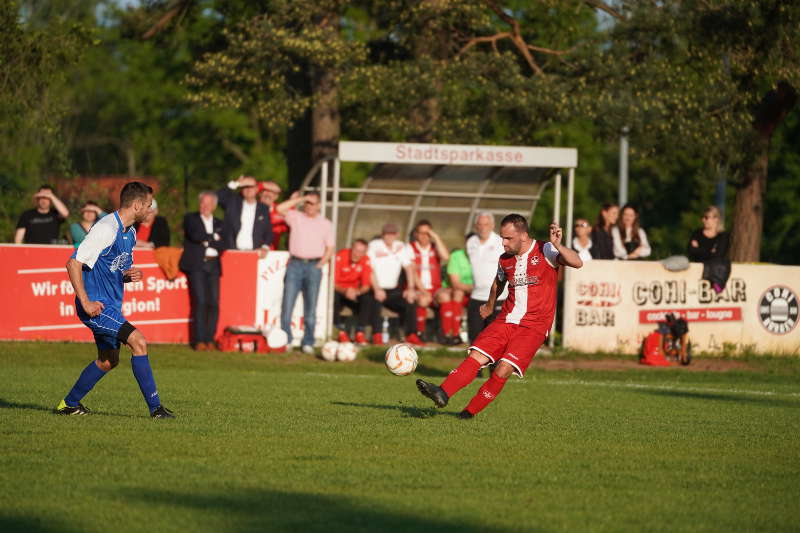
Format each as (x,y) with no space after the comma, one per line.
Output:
(532,282)
(279,226)
(352,275)
(428,266)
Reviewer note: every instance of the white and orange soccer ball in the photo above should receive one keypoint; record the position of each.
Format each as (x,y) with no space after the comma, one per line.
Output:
(346,352)
(401,359)
(329,350)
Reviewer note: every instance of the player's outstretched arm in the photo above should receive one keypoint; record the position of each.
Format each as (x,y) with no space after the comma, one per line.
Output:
(566,256)
(75,272)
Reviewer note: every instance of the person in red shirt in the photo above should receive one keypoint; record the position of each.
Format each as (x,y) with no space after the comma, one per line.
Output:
(268,193)
(353,289)
(530,268)
(429,253)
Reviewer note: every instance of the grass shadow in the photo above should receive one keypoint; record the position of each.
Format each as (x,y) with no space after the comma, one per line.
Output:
(246,509)
(31,524)
(7,404)
(408,411)
(422,370)
(721,396)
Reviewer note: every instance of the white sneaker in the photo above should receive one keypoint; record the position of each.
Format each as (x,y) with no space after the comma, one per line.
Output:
(308,350)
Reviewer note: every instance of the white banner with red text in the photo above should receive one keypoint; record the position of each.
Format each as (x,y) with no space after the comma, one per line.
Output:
(611,306)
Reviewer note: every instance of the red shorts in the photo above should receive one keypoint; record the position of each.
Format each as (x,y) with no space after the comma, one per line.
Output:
(512,343)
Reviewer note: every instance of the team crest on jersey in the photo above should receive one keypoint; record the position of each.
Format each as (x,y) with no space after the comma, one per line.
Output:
(120,262)
(535,260)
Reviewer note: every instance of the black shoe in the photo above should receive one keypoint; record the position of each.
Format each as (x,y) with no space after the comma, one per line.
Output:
(162,412)
(434,392)
(454,340)
(66,410)
(465,415)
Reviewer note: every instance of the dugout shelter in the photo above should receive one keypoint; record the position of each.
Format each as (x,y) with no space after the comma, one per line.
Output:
(444,183)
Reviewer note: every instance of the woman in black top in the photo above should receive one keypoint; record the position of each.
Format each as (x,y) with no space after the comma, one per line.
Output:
(602,242)
(710,246)
(710,242)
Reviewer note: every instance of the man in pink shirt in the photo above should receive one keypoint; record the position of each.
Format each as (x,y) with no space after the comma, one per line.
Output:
(310,249)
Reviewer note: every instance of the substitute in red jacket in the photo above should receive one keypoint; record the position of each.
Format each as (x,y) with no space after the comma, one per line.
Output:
(353,284)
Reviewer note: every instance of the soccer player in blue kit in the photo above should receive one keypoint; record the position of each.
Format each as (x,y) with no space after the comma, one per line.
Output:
(98,270)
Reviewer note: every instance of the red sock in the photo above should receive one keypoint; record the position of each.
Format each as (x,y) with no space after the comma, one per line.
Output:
(446,317)
(461,376)
(455,325)
(422,315)
(486,394)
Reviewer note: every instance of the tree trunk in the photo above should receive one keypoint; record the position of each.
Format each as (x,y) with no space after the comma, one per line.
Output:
(325,120)
(749,211)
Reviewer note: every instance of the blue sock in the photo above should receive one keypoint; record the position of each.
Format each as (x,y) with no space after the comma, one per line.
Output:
(144,376)
(88,379)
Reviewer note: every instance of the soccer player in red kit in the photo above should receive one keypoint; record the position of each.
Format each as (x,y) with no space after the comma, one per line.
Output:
(530,268)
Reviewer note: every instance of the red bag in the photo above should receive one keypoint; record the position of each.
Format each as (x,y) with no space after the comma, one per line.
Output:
(652,352)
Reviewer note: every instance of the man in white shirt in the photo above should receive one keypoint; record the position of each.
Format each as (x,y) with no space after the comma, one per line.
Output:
(200,260)
(389,257)
(247,224)
(483,249)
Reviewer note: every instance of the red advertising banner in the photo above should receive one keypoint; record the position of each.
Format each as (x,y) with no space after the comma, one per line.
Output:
(708,314)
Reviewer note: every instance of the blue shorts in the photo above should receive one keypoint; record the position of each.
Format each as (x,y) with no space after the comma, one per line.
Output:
(106,327)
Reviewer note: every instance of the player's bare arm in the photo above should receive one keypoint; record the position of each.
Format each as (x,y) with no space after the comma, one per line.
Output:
(486,309)
(566,256)
(75,272)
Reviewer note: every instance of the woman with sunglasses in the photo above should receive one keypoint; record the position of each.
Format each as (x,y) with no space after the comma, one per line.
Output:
(582,241)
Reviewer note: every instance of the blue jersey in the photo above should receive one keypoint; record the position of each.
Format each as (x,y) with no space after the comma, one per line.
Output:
(106,252)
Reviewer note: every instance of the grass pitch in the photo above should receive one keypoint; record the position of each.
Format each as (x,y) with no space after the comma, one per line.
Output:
(290,443)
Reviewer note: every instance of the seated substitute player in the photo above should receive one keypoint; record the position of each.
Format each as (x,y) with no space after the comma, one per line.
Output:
(98,270)
(429,253)
(353,289)
(530,267)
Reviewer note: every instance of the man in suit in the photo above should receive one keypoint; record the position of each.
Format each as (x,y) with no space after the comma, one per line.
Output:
(247,223)
(202,247)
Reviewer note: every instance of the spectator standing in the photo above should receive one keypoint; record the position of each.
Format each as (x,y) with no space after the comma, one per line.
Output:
(353,286)
(202,249)
(268,194)
(630,240)
(582,241)
(42,224)
(428,254)
(709,245)
(602,241)
(246,225)
(484,250)
(310,249)
(459,279)
(90,214)
(389,258)
(153,232)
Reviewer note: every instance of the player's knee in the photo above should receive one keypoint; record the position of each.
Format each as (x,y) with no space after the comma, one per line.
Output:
(138,344)
(105,366)
(503,371)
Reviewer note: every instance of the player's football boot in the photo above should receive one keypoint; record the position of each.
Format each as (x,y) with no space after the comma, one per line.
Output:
(434,392)
(465,415)
(343,337)
(414,340)
(66,410)
(360,338)
(162,412)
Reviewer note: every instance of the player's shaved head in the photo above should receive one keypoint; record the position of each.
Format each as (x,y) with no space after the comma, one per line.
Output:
(132,191)
(518,221)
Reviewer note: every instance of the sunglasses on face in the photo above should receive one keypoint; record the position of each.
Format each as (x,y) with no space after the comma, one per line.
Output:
(582,225)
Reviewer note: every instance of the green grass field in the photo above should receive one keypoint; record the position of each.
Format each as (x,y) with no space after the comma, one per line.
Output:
(289,443)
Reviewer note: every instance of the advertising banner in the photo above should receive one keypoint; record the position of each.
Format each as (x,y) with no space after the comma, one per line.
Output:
(40,302)
(612,305)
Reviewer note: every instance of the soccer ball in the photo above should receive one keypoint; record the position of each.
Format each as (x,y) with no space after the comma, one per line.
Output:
(346,352)
(329,350)
(276,338)
(401,359)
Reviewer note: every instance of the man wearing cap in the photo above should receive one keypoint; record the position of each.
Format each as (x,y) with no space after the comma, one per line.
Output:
(310,249)
(389,258)
(268,193)
(42,224)
(246,225)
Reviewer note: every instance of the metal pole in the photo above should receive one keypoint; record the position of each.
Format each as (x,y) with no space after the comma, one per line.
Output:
(335,224)
(557,220)
(623,167)
(570,200)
